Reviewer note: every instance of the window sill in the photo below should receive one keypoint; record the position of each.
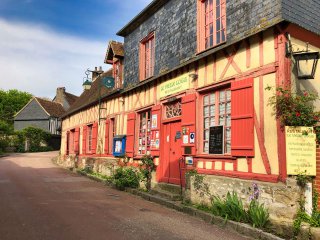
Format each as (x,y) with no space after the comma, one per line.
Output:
(208,156)
(210,48)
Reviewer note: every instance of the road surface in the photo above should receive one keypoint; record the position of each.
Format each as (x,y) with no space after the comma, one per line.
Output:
(40,201)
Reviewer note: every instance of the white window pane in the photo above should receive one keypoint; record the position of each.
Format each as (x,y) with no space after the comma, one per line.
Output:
(206,123)
(212,122)
(222,96)
(222,109)
(212,98)
(228,147)
(228,121)
(206,112)
(206,100)
(206,135)
(228,95)
(222,120)
(206,147)
(212,110)
(229,107)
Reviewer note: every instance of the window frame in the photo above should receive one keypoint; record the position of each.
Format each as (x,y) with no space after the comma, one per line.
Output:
(112,132)
(216,115)
(143,68)
(89,135)
(72,141)
(138,124)
(117,73)
(202,23)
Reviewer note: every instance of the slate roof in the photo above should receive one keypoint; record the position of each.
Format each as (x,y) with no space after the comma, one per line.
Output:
(52,108)
(91,96)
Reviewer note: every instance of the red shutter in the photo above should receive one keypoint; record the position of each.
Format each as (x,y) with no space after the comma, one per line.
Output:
(94,138)
(242,111)
(84,139)
(130,134)
(188,121)
(106,137)
(76,140)
(155,130)
(67,142)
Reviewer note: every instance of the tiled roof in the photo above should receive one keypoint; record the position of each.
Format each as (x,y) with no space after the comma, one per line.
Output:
(115,49)
(71,98)
(90,96)
(54,109)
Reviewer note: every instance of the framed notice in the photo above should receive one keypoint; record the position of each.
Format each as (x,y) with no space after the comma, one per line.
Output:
(216,140)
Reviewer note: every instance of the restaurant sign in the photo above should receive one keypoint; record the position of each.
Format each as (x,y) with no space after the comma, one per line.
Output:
(175,85)
(301,150)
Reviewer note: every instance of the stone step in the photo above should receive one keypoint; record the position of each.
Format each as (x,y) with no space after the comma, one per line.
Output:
(174,189)
(166,194)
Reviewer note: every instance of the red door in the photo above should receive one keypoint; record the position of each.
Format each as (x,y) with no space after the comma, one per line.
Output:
(171,153)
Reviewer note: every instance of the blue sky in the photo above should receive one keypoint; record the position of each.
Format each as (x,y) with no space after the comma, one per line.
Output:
(45,44)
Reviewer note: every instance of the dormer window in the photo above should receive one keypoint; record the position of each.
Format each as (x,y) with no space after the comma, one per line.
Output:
(211,23)
(147,50)
(114,56)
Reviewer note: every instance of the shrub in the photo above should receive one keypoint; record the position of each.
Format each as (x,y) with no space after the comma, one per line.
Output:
(147,166)
(231,208)
(258,214)
(125,177)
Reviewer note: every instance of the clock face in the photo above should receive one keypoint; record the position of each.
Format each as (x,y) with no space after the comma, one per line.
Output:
(108,82)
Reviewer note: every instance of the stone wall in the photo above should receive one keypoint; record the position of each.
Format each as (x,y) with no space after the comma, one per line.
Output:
(281,199)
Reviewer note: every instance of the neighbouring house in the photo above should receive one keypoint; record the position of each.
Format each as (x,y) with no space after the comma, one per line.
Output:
(190,84)
(43,113)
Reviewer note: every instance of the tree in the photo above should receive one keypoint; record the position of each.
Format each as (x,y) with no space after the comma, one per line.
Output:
(11,102)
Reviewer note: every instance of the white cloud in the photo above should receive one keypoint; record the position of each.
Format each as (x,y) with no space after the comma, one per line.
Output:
(36,59)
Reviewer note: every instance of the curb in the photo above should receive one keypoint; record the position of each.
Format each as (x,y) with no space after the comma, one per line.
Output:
(241,228)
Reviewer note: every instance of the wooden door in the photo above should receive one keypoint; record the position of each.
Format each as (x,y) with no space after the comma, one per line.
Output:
(171,153)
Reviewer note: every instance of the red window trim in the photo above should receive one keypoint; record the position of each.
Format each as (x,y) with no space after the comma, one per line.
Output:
(143,57)
(112,132)
(201,25)
(138,132)
(116,74)
(201,137)
(89,148)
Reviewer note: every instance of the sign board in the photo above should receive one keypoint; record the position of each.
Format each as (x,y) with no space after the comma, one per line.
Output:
(301,150)
(175,85)
(216,140)
(108,82)
(154,121)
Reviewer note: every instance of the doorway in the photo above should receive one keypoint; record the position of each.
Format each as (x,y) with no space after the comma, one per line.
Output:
(171,152)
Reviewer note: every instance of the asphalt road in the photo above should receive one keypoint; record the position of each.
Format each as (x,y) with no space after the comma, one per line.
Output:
(40,201)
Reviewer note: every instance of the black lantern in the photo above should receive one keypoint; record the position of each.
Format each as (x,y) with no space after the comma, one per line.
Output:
(306,63)
(86,85)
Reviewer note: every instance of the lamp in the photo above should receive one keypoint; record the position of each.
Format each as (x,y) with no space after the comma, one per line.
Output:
(193,76)
(306,63)
(87,82)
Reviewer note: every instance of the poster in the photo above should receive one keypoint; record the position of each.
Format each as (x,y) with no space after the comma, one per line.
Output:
(301,150)
(118,146)
(185,139)
(154,121)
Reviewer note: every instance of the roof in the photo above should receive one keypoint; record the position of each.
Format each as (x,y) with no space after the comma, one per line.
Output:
(70,98)
(91,96)
(115,49)
(52,108)
(147,12)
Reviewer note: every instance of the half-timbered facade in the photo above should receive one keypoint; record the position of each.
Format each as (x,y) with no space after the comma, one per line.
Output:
(194,74)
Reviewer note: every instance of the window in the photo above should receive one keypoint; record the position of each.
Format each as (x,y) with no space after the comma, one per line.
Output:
(217,111)
(211,23)
(144,132)
(112,133)
(147,47)
(117,73)
(89,137)
(71,141)
(173,110)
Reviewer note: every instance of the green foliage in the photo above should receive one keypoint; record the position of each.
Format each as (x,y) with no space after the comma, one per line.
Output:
(294,109)
(257,214)
(11,102)
(231,208)
(125,177)
(35,136)
(147,166)
(303,179)
(199,185)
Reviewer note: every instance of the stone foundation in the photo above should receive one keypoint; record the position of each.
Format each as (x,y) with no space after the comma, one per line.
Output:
(281,199)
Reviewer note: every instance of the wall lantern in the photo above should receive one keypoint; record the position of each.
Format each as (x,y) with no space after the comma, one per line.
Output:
(86,81)
(305,61)
(193,76)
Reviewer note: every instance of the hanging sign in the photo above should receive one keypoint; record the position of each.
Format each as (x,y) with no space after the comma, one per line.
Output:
(175,85)
(301,150)
(216,140)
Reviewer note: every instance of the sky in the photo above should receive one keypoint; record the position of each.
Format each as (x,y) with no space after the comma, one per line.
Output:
(45,44)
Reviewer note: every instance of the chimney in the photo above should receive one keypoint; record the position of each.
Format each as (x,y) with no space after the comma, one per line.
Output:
(96,73)
(60,95)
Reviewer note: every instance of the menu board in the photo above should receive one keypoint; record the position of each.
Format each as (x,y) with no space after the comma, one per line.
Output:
(216,142)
